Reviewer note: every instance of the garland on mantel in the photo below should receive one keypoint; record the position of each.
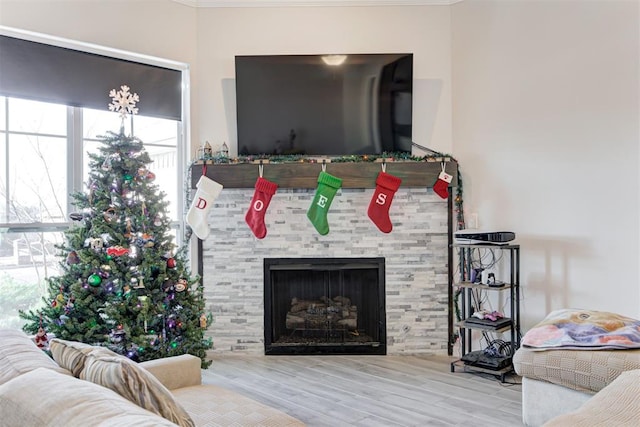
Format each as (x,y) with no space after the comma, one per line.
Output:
(206,157)
(299,158)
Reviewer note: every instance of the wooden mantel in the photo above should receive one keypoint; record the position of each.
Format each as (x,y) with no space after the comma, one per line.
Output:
(305,175)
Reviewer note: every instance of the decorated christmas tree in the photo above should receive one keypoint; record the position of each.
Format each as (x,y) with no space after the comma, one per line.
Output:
(123,285)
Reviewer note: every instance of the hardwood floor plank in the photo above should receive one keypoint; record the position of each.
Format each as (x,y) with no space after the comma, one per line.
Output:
(370,390)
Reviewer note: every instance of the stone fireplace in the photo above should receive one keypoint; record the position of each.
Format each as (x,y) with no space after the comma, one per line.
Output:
(324,306)
(415,257)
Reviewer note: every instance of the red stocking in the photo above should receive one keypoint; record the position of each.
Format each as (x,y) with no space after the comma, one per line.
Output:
(441,187)
(259,204)
(386,186)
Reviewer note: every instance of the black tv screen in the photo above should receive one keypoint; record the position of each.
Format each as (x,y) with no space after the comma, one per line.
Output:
(299,104)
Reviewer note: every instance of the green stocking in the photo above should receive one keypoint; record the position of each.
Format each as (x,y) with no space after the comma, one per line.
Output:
(328,186)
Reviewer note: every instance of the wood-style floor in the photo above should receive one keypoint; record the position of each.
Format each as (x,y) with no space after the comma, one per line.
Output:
(371,390)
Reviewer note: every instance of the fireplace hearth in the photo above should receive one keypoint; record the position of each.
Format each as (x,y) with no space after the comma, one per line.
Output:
(324,306)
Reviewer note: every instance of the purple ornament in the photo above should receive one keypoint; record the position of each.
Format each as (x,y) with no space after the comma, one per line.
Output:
(73,258)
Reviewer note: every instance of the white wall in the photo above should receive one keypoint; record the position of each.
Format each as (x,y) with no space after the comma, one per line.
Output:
(546,129)
(423,31)
(158,28)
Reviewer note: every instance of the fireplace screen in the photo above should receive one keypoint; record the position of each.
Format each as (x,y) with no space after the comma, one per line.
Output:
(324,306)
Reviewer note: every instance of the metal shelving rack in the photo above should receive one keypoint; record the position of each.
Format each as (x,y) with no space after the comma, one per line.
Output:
(468,289)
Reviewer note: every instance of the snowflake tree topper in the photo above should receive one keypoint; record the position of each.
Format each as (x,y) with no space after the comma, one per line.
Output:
(123,101)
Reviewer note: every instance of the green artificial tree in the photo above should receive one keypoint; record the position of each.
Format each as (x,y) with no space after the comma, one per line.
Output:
(122,284)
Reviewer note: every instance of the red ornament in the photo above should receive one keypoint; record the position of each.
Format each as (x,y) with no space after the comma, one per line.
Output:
(117,251)
(41,339)
(171,263)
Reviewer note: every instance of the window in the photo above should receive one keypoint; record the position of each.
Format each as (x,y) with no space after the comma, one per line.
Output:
(34,165)
(53,100)
(37,145)
(49,120)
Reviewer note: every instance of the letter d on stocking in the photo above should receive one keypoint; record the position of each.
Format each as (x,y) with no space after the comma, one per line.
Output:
(201,203)
(208,191)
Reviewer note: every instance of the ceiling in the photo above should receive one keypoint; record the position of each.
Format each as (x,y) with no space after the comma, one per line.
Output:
(303,3)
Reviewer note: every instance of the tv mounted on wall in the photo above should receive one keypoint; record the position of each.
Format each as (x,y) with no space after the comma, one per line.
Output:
(324,105)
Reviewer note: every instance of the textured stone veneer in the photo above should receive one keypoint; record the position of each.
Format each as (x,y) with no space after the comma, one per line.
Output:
(415,252)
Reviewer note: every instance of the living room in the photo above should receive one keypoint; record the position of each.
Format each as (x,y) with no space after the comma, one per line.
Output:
(532,98)
(516,109)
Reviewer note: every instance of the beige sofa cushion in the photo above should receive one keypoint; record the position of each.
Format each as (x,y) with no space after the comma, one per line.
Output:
(618,404)
(19,355)
(212,406)
(135,384)
(583,370)
(71,355)
(46,398)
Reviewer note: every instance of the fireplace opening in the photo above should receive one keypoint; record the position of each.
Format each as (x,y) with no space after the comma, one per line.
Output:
(324,306)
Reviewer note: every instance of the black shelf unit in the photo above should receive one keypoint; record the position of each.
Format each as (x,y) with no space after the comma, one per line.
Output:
(469,291)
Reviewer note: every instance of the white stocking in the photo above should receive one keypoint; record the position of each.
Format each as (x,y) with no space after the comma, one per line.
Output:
(207,191)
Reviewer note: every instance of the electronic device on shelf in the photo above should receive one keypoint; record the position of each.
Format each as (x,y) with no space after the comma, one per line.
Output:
(498,323)
(481,359)
(474,237)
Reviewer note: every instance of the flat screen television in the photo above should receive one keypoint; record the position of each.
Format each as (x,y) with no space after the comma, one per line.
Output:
(309,105)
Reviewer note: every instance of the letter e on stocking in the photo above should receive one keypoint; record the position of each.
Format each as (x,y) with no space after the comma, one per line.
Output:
(322,201)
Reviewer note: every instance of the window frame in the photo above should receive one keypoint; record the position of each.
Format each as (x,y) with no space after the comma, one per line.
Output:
(74,126)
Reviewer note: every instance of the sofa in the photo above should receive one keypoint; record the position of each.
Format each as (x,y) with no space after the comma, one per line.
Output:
(81,385)
(559,382)
(565,384)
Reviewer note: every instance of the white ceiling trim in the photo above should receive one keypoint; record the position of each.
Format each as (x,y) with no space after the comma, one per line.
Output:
(316,3)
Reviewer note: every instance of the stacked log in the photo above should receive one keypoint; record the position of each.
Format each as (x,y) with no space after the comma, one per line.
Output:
(323,313)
